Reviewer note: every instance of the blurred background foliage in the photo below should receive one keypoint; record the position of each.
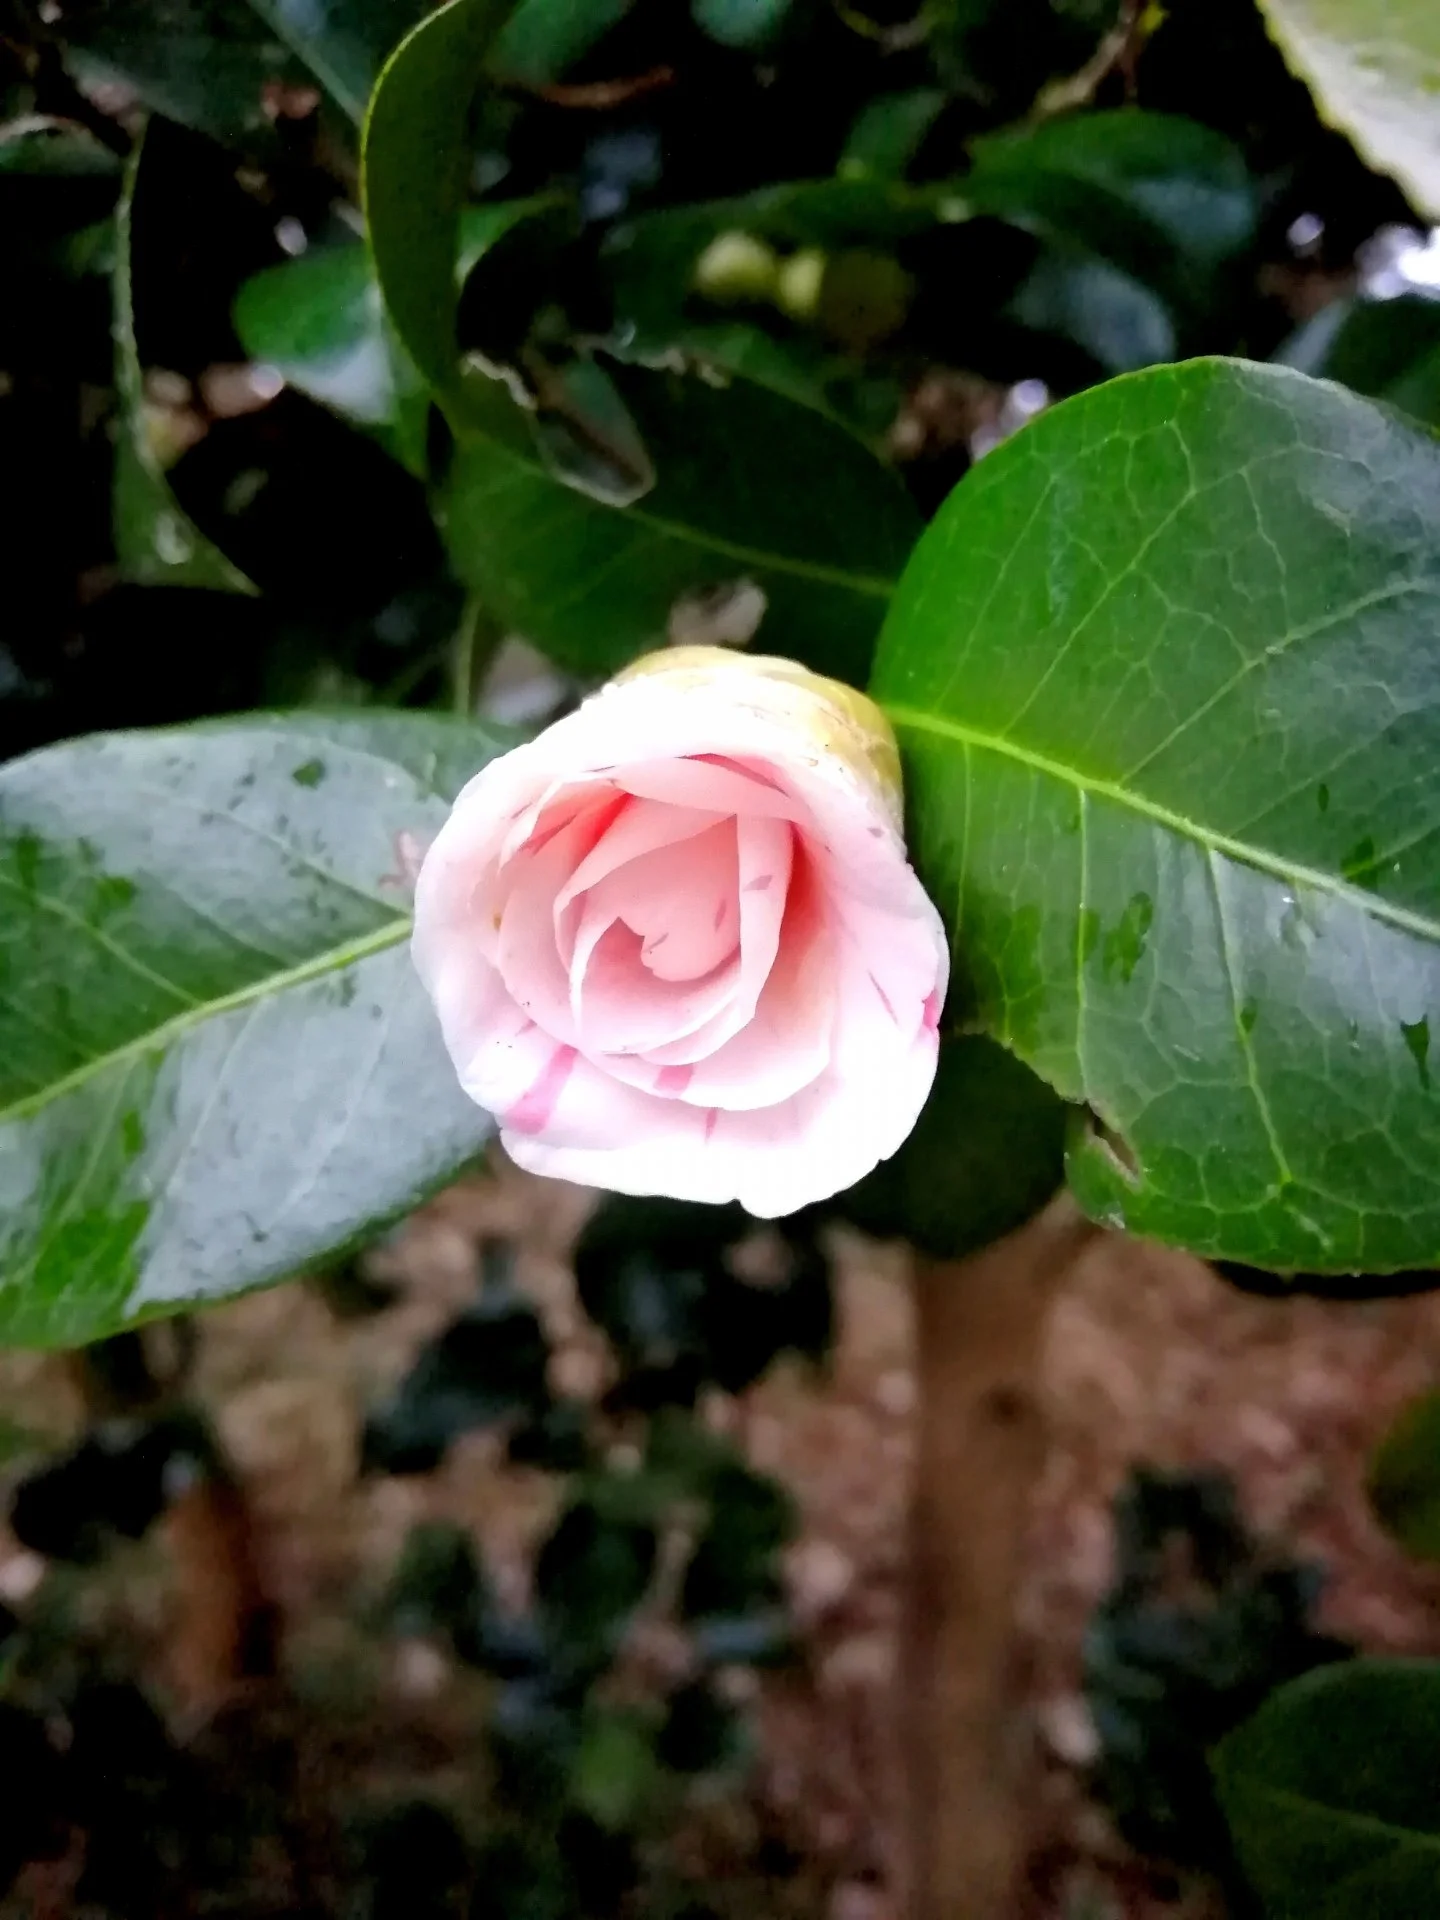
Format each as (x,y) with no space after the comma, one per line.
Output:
(583,1723)
(918,224)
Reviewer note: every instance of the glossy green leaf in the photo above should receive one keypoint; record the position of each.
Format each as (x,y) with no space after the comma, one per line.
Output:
(342,42)
(1330,1793)
(1404,1477)
(987,1152)
(1389,349)
(216,1063)
(542,38)
(753,491)
(156,541)
(205,63)
(1374,68)
(1166,676)
(1164,199)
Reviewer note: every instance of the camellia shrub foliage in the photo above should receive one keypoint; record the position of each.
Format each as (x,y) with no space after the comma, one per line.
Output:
(615,327)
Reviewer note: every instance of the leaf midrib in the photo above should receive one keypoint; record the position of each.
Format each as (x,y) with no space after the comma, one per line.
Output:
(1370,1823)
(348,953)
(687,533)
(1292,873)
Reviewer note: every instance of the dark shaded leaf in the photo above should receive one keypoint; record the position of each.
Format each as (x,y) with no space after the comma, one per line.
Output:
(116,1481)
(889,131)
(487,1367)
(556,1440)
(542,38)
(740,23)
(734,1571)
(415,1863)
(205,63)
(1160,197)
(1198,1627)
(1330,1793)
(591,1575)
(32,1826)
(986,1153)
(52,148)
(654,1274)
(1111,317)
(342,42)
(1389,349)
(438,1586)
(702,1734)
(1404,1477)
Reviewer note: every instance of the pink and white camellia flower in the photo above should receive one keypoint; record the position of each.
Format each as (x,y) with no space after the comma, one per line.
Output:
(675,943)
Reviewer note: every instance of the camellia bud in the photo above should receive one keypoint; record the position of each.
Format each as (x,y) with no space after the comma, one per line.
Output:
(737,269)
(865,297)
(797,291)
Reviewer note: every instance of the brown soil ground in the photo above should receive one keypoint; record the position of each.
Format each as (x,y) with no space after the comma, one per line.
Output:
(1150,1357)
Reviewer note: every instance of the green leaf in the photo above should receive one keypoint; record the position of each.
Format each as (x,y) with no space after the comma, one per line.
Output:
(486,1368)
(616,1771)
(320,322)
(955,1185)
(342,42)
(544,37)
(414,170)
(1375,73)
(703,1733)
(1121,324)
(1330,1793)
(889,131)
(591,1575)
(156,541)
(205,63)
(1404,1477)
(216,1063)
(734,1571)
(38,144)
(740,23)
(1164,199)
(1166,676)
(752,491)
(1389,349)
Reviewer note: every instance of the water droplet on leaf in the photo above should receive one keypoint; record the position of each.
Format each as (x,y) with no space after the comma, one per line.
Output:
(1125,946)
(1417,1038)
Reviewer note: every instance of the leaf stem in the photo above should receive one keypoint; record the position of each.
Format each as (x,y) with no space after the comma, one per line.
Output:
(471,651)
